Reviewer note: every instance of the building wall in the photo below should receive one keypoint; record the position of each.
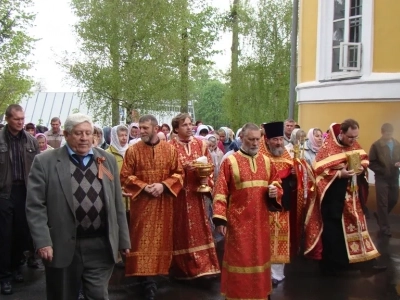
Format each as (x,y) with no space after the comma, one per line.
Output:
(370,115)
(308,25)
(386,56)
(373,99)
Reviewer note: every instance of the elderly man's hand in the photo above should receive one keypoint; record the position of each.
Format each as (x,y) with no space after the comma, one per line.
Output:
(46,253)
(124,252)
(272,191)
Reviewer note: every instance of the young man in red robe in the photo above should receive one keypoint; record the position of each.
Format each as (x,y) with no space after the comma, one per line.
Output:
(247,186)
(194,253)
(336,229)
(273,147)
(153,175)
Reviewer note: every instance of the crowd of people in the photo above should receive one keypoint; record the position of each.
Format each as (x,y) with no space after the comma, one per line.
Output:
(84,199)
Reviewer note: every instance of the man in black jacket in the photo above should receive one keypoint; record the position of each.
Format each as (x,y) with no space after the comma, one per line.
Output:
(384,157)
(17,151)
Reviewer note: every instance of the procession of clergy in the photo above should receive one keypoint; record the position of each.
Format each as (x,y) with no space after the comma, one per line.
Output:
(277,192)
(267,203)
(270,202)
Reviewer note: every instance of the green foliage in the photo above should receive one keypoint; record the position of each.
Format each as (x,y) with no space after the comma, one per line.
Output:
(209,105)
(260,92)
(139,54)
(15,47)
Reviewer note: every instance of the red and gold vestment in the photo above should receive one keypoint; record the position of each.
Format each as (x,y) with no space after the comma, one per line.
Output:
(279,221)
(240,202)
(194,249)
(151,218)
(330,159)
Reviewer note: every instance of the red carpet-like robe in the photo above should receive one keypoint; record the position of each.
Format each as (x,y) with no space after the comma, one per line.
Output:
(240,202)
(194,249)
(330,159)
(151,218)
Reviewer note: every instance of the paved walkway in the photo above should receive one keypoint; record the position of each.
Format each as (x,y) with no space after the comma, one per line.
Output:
(303,281)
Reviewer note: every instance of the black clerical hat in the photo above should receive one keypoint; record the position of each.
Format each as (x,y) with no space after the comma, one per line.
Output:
(273,129)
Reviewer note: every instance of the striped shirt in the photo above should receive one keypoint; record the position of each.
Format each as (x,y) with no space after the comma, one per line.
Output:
(16,149)
(54,139)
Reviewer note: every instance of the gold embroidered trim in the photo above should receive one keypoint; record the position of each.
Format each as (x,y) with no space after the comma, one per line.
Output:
(246,270)
(195,249)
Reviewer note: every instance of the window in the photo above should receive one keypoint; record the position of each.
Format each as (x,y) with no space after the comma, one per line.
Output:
(342,38)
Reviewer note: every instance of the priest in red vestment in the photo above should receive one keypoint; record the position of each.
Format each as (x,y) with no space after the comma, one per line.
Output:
(247,186)
(336,229)
(273,147)
(194,249)
(152,173)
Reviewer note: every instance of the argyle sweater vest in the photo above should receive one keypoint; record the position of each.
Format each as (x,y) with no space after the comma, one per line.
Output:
(88,198)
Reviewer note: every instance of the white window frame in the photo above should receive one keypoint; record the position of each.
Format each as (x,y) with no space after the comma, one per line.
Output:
(324,43)
(344,56)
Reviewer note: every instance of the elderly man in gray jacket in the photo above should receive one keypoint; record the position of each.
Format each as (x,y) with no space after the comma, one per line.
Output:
(76,215)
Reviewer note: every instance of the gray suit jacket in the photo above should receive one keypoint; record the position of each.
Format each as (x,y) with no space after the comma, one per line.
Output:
(50,210)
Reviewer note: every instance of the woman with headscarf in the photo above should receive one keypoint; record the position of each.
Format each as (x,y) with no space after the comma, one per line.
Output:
(215,152)
(201,131)
(42,141)
(133,133)
(237,142)
(166,129)
(313,144)
(119,143)
(225,137)
(298,136)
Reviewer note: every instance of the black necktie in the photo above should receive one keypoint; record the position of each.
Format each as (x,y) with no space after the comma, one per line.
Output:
(79,158)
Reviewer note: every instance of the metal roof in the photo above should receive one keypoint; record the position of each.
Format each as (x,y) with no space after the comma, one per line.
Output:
(40,108)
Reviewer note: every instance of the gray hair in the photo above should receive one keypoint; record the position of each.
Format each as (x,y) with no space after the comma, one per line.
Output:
(76,119)
(122,128)
(289,121)
(249,127)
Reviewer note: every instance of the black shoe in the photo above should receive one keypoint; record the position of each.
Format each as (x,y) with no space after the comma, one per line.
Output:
(17,275)
(373,271)
(32,262)
(120,265)
(6,288)
(150,291)
(275,282)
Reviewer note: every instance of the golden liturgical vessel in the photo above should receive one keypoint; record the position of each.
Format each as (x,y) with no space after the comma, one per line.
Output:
(354,162)
(203,171)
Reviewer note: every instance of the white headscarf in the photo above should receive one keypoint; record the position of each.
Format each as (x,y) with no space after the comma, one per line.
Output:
(115,141)
(130,128)
(200,128)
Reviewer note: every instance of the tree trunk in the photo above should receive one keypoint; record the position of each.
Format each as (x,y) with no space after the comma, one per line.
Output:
(184,70)
(234,101)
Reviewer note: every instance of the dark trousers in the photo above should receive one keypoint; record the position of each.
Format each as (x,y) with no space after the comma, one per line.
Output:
(91,269)
(14,231)
(387,194)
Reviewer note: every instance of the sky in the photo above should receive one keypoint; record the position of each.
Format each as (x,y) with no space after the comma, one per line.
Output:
(53,28)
